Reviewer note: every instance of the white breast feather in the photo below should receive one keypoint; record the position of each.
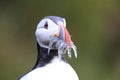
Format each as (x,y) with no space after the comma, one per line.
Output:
(57,70)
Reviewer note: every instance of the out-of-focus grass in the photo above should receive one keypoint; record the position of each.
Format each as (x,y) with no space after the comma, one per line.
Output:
(93,24)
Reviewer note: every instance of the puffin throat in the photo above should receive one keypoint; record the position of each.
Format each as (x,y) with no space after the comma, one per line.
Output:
(43,56)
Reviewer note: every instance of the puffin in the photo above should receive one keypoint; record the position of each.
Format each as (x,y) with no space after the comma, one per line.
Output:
(53,42)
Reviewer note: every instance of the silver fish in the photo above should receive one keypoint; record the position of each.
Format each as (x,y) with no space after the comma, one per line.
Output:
(62,46)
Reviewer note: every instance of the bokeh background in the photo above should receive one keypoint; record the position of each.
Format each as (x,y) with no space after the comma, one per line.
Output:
(93,24)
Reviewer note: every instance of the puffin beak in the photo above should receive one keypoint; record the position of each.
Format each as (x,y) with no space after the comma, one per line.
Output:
(64,35)
(67,36)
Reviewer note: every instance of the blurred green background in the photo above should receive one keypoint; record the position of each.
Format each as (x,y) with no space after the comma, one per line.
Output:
(93,24)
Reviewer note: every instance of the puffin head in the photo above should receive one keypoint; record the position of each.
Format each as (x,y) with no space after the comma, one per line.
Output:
(53,29)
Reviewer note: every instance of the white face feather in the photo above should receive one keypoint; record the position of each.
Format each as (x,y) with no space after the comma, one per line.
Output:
(42,34)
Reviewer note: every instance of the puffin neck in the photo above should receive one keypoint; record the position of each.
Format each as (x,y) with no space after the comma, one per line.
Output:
(45,58)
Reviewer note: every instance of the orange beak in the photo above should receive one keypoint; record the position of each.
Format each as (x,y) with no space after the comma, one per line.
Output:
(67,36)
(64,34)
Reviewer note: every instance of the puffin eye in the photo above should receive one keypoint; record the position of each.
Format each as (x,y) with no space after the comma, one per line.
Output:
(46,25)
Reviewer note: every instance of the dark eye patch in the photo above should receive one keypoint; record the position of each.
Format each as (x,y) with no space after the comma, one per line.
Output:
(46,25)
